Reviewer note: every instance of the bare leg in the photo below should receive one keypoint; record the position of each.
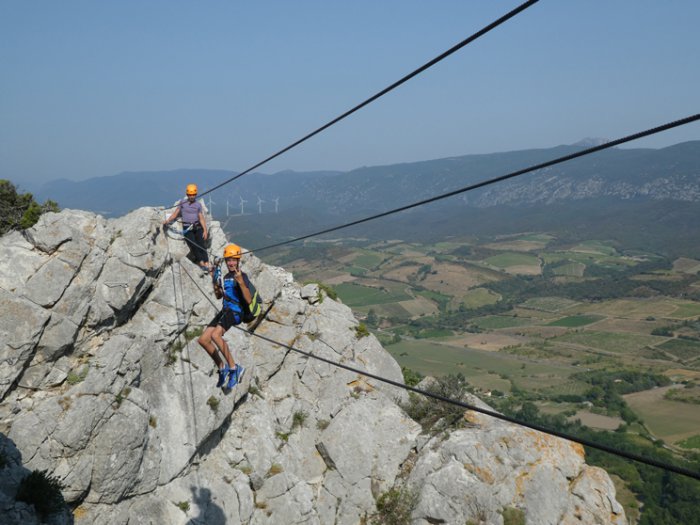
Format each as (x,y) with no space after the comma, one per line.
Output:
(217,336)
(205,341)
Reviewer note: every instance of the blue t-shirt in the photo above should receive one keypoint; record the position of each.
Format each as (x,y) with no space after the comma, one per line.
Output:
(233,297)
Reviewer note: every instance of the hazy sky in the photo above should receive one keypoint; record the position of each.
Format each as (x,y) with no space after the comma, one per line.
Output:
(92,88)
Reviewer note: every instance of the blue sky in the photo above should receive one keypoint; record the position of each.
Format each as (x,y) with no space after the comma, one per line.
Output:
(91,89)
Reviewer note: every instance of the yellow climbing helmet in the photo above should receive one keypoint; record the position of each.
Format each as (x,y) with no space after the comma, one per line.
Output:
(232,250)
(191,189)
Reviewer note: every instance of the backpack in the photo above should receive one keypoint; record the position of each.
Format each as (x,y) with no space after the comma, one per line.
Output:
(251,311)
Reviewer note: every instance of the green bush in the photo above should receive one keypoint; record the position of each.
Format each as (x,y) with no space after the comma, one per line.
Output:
(43,491)
(213,403)
(121,396)
(411,377)
(19,210)
(77,377)
(434,415)
(299,418)
(394,507)
(361,331)
(513,516)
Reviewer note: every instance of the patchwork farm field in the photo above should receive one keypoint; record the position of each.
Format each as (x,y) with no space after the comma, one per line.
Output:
(549,304)
(672,421)
(431,358)
(573,329)
(354,294)
(574,321)
(620,343)
(469,307)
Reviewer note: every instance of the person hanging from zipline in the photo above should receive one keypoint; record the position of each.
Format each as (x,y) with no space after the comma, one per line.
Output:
(240,304)
(194,226)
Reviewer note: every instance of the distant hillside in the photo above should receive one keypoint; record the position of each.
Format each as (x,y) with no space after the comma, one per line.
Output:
(118,194)
(671,173)
(665,227)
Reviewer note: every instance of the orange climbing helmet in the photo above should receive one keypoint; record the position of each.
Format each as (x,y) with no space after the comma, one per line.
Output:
(232,250)
(191,189)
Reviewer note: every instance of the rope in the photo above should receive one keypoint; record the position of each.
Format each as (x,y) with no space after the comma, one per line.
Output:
(168,228)
(384,91)
(563,435)
(177,231)
(559,160)
(178,279)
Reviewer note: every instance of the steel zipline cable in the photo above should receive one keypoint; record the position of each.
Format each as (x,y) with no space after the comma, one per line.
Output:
(559,160)
(563,435)
(383,92)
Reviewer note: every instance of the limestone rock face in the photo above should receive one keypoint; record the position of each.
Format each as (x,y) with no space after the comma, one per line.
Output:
(479,471)
(104,385)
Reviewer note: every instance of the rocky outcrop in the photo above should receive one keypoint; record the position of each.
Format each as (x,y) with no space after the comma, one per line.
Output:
(478,472)
(104,386)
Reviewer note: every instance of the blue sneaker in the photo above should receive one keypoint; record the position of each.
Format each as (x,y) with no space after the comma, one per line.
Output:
(223,372)
(235,376)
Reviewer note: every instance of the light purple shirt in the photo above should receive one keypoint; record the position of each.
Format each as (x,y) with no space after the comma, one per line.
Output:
(189,211)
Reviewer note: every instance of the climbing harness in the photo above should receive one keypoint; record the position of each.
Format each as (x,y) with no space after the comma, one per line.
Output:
(177,231)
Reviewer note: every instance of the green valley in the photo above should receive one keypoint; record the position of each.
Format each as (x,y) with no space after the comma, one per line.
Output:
(585,332)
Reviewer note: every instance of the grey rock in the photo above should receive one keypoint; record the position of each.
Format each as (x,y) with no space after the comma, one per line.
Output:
(49,283)
(105,386)
(21,326)
(25,262)
(60,335)
(311,293)
(54,229)
(478,471)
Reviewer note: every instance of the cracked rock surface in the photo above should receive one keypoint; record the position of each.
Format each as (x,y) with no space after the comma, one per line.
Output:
(103,385)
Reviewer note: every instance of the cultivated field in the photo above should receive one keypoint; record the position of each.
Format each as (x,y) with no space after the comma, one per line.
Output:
(672,421)
(598,420)
(542,340)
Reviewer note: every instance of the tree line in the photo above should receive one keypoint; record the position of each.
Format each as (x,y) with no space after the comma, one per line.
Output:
(19,211)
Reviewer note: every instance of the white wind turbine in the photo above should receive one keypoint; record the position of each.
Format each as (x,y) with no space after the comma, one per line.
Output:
(210,208)
(243,201)
(276,200)
(260,201)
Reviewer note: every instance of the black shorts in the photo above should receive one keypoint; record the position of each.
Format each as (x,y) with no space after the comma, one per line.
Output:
(226,319)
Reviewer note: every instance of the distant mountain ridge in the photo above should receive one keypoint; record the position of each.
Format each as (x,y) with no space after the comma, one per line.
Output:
(671,173)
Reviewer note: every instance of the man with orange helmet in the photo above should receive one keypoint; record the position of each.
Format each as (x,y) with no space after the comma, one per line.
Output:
(191,212)
(234,289)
